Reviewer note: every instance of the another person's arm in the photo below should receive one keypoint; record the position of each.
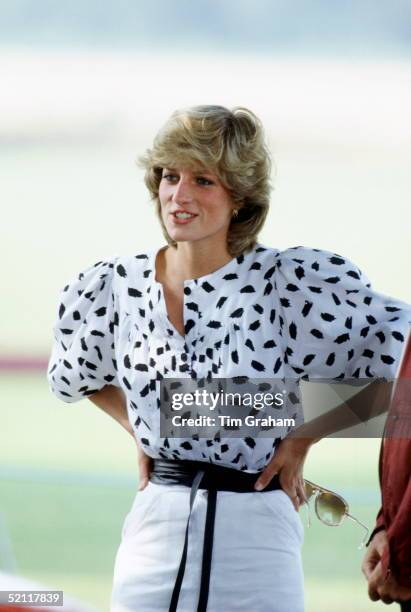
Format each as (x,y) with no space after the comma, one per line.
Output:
(382,583)
(387,563)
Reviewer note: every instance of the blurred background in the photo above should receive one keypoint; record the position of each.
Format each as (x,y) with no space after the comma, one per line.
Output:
(85,87)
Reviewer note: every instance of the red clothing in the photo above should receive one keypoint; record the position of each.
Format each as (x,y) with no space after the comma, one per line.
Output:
(395,478)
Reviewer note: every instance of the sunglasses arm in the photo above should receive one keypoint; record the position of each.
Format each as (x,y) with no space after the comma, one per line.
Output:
(367,531)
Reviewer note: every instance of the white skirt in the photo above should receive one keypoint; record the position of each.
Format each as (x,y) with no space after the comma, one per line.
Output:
(256,560)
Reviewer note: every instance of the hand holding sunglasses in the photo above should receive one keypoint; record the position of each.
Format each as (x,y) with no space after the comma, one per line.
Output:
(330,508)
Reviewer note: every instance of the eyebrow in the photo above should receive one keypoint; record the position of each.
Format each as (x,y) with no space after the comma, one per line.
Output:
(195,172)
(206,172)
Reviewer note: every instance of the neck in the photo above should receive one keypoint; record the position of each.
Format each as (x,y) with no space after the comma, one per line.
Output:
(192,260)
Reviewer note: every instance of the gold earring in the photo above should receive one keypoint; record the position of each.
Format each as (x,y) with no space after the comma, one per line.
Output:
(235,212)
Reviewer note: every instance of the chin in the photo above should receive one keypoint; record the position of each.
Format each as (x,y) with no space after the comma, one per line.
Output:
(188,234)
(182,234)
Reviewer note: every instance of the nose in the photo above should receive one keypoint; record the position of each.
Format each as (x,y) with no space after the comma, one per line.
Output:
(182,191)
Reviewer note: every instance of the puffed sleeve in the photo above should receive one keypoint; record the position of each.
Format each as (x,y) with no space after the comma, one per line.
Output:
(333,323)
(83,359)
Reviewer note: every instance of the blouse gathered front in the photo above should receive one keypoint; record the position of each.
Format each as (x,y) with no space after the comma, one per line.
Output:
(301,313)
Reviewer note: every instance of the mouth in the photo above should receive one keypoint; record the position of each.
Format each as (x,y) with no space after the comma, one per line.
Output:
(181,218)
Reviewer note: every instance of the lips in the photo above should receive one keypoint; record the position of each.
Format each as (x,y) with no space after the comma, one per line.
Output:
(185,212)
(182,220)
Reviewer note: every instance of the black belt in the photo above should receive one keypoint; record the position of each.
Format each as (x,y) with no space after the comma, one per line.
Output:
(202,475)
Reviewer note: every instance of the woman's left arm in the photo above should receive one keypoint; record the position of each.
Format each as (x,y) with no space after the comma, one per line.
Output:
(288,463)
(289,458)
(335,327)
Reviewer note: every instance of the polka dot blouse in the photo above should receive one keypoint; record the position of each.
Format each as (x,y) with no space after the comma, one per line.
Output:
(298,313)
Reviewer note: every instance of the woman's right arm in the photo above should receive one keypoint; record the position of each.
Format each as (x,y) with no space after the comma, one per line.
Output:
(113,402)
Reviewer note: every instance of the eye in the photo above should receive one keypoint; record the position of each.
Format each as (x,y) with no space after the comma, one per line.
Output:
(169,177)
(204,181)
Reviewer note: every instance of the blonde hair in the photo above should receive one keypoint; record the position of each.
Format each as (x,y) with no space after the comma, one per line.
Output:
(230,143)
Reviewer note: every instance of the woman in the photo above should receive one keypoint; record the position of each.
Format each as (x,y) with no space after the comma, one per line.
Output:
(214,525)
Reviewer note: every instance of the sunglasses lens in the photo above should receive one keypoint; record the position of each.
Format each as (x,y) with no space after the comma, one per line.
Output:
(309,490)
(330,508)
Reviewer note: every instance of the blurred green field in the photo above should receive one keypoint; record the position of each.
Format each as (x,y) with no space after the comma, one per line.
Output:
(68,476)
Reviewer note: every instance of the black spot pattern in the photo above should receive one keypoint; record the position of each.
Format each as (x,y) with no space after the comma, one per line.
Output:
(301,313)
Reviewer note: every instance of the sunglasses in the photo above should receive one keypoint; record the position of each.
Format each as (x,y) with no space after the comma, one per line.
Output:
(330,508)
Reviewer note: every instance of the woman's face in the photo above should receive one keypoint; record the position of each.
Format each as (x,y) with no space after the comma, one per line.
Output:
(194,204)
